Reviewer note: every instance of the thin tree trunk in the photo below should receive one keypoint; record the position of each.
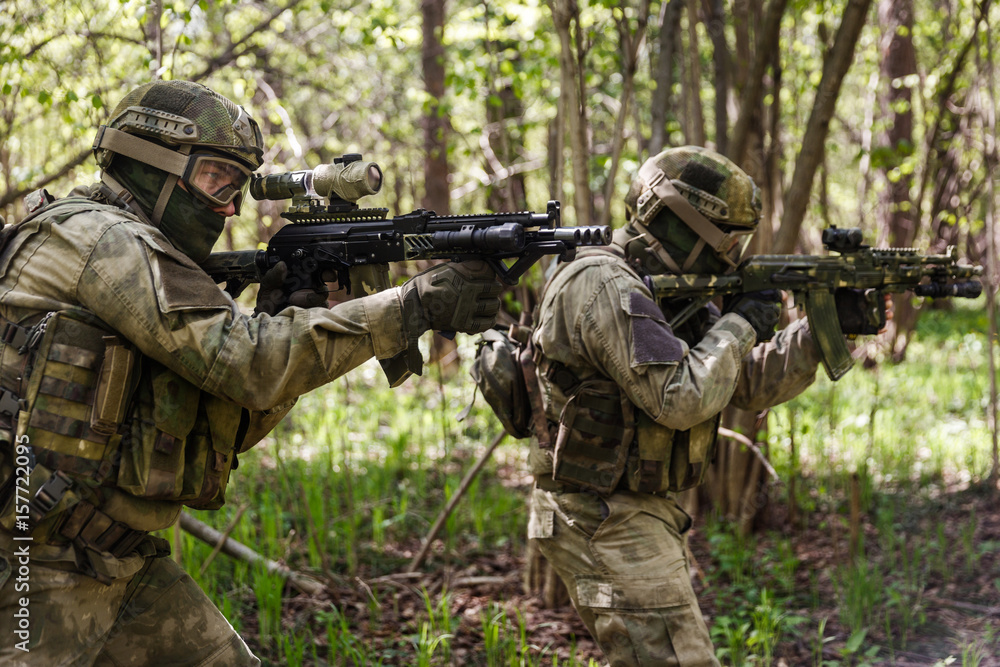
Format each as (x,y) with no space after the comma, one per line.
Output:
(899,61)
(835,66)
(436,194)
(865,163)
(694,121)
(942,101)
(501,143)
(990,139)
(566,16)
(753,91)
(663,74)
(716,27)
(631,43)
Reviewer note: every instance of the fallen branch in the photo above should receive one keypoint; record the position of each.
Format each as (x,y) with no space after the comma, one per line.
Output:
(749,444)
(446,512)
(222,538)
(240,551)
(966,606)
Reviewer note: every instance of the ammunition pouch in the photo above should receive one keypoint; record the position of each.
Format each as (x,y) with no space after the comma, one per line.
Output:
(179,442)
(605,444)
(596,426)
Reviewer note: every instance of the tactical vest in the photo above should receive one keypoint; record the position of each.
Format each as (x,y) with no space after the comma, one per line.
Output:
(96,415)
(604,443)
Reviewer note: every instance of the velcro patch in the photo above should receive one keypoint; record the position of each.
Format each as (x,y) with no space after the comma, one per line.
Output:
(653,341)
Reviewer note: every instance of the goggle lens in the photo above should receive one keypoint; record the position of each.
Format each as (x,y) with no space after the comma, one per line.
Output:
(217,181)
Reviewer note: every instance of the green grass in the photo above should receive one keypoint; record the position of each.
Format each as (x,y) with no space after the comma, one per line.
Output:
(350,483)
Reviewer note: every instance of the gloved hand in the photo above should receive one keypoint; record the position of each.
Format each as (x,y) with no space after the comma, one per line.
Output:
(760,309)
(456,296)
(273,296)
(861,311)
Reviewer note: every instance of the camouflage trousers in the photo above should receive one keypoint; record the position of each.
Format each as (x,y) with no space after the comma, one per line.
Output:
(52,617)
(623,559)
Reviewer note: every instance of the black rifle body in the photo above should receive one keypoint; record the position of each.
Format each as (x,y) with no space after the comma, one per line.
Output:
(358,245)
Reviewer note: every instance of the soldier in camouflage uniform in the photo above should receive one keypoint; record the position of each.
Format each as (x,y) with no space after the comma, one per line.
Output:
(632,407)
(129,382)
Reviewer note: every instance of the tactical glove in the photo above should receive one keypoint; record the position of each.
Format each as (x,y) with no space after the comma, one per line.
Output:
(760,309)
(277,293)
(860,311)
(460,296)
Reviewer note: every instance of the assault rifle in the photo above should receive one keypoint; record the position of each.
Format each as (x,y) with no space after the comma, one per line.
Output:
(842,294)
(331,234)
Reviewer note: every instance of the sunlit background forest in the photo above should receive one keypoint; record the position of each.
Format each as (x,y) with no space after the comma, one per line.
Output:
(856,524)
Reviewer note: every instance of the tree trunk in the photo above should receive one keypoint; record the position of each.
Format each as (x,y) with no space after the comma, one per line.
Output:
(694,121)
(663,74)
(630,44)
(896,207)
(566,18)
(835,66)
(502,143)
(734,487)
(716,27)
(436,194)
(436,125)
(753,89)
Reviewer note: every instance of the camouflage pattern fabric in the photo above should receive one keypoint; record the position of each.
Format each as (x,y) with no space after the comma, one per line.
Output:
(716,186)
(128,275)
(623,560)
(157,617)
(621,553)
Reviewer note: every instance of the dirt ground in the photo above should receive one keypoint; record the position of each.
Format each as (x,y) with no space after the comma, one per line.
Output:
(960,612)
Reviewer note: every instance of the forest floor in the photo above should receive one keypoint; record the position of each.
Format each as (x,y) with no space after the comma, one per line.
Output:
(953,619)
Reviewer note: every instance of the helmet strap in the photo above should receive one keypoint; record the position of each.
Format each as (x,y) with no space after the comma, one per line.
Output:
(161,201)
(174,162)
(655,248)
(119,196)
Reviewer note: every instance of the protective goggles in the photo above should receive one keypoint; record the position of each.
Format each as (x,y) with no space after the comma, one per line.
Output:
(216,180)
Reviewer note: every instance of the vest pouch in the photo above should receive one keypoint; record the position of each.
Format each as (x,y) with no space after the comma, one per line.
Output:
(59,399)
(113,386)
(693,452)
(669,460)
(651,457)
(163,415)
(596,428)
(226,425)
(181,441)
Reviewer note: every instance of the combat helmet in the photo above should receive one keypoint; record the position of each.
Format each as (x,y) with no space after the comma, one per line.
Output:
(692,199)
(189,131)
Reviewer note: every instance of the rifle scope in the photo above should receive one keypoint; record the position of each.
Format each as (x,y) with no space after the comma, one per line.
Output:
(347,178)
(842,240)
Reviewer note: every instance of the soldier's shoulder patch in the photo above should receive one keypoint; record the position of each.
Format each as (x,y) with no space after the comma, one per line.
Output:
(653,341)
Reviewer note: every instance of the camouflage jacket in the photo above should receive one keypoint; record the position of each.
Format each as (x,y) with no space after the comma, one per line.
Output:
(598,322)
(108,262)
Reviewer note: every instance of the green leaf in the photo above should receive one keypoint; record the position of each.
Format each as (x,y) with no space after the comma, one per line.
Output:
(854,642)
(96,101)
(45,97)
